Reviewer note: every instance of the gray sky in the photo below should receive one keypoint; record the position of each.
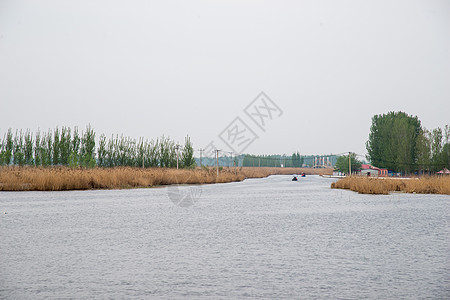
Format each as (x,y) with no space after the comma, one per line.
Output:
(148,68)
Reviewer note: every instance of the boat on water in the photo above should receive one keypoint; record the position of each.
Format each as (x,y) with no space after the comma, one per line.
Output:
(295,178)
(332,176)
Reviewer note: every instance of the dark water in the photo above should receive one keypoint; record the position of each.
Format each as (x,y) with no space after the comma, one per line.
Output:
(262,238)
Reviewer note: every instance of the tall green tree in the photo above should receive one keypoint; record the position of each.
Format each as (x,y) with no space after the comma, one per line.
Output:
(37,149)
(6,148)
(187,156)
(2,153)
(87,150)
(436,149)
(65,146)
(18,154)
(102,152)
(446,147)
(28,148)
(392,141)
(56,156)
(423,148)
(9,147)
(47,149)
(342,163)
(297,160)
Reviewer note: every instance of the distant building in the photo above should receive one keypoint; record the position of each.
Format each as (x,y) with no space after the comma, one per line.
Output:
(369,170)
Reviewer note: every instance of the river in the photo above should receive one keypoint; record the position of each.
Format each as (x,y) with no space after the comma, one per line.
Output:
(261,238)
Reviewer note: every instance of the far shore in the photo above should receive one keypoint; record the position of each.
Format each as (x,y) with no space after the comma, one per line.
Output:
(64,178)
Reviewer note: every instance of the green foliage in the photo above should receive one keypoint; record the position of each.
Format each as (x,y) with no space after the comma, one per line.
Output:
(28,149)
(48,149)
(18,154)
(56,157)
(2,153)
(65,146)
(445,156)
(423,148)
(73,160)
(297,160)
(187,156)
(8,146)
(68,148)
(166,152)
(437,146)
(102,151)
(393,140)
(399,143)
(76,141)
(37,149)
(87,150)
(294,161)
(433,150)
(2,157)
(342,163)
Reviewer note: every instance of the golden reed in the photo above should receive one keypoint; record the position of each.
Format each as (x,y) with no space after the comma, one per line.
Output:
(422,185)
(64,178)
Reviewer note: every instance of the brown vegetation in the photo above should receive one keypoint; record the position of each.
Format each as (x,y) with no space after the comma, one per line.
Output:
(422,185)
(64,178)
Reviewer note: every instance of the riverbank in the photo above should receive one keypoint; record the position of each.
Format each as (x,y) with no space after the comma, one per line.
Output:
(63,178)
(422,185)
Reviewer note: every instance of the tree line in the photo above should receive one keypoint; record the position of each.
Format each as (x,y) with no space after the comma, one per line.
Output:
(398,142)
(294,161)
(66,147)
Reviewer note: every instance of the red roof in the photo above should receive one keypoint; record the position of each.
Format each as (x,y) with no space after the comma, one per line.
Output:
(444,171)
(367,166)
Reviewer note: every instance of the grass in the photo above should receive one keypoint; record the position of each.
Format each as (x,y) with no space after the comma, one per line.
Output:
(64,178)
(422,185)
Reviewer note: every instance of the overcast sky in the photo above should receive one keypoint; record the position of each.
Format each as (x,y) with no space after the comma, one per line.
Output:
(148,68)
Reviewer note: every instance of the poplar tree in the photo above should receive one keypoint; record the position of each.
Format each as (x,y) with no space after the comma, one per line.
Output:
(187,156)
(392,141)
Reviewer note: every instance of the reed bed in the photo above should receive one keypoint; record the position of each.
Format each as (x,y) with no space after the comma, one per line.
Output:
(422,185)
(64,178)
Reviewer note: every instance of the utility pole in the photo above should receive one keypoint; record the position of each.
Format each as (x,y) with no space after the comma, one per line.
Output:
(349,165)
(201,151)
(177,147)
(217,162)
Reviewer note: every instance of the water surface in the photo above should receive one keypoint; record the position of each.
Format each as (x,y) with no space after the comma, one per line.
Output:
(261,238)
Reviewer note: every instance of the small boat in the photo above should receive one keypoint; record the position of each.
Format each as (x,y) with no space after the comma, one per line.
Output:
(303,175)
(295,178)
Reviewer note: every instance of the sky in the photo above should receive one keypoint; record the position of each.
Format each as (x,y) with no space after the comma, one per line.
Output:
(198,68)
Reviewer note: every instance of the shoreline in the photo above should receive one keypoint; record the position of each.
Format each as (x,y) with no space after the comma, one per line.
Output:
(415,185)
(15,178)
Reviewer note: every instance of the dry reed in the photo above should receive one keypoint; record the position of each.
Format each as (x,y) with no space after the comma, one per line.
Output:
(422,185)
(64,178)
